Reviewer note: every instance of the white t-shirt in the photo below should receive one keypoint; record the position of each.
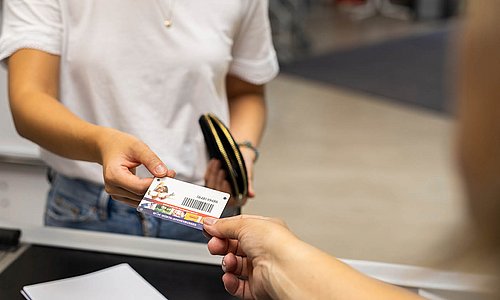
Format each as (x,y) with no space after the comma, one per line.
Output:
(122,68)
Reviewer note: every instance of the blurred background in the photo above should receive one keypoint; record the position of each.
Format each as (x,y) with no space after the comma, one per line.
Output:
(358,154)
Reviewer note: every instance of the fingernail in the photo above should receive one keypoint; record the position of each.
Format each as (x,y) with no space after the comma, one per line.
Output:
(208,236)
(209,221)
(160,169)
(223,264)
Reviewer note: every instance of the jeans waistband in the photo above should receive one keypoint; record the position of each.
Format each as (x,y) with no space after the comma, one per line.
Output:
(103,201)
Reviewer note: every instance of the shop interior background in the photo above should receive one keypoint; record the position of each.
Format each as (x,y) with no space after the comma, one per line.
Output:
(358,153)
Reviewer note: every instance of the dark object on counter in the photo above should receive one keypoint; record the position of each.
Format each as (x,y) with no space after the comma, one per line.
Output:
(9,238)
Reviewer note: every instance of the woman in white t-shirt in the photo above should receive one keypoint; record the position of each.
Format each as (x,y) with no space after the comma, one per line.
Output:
(105,87)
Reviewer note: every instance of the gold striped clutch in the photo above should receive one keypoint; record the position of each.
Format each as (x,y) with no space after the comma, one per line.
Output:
(221,145)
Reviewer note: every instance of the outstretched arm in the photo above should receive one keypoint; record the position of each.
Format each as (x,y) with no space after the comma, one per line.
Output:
(479,115)
(264,260)
(41,118)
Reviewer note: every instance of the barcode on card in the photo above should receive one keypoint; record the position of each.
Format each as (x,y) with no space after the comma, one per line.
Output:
(197,204)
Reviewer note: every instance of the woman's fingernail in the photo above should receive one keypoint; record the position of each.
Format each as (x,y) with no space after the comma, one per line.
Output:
(223,264)
(209,221)
(160,169)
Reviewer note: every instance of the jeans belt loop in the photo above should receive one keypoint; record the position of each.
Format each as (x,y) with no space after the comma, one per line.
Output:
(102,205)
(51,174)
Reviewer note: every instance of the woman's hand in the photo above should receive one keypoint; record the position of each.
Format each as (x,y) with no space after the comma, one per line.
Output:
(215,178)
(33,88)
(121,153)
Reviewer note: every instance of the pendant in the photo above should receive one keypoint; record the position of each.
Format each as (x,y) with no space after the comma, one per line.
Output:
(167,23)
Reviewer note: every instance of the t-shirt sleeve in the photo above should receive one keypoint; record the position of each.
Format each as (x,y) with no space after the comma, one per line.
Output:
(34,24)
(254,57)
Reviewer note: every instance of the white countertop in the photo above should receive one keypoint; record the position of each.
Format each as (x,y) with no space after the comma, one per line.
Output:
(413,277)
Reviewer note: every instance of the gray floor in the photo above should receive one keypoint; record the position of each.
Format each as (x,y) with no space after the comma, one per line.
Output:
(354,175)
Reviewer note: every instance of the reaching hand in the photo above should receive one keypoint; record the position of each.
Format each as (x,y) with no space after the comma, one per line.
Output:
(251,248)
(121,153)
(264,260)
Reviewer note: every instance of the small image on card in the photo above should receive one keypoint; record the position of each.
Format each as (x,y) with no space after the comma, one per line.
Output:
(181,202)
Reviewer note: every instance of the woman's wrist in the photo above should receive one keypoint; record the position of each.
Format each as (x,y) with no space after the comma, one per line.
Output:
(247,146)
(104,138)
(289,261)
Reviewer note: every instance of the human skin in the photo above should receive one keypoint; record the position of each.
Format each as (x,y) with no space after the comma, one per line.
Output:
(265,260)
(248,116)
(478,140)
(33,95)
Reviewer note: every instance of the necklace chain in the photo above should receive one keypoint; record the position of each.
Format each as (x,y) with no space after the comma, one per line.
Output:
(168,14)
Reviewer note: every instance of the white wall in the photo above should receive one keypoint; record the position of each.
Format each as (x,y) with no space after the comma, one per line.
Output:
(10,141)
(23,188)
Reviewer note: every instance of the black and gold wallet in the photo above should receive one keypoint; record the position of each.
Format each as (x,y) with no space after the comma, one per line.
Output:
(221,146)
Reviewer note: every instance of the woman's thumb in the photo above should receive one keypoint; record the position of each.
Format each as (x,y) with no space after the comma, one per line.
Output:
(152,162)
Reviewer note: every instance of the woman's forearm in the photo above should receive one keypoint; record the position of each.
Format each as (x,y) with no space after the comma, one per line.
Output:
(247,110)
(39,116)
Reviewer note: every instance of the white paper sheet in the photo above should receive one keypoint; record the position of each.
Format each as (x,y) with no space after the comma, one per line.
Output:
(117,282)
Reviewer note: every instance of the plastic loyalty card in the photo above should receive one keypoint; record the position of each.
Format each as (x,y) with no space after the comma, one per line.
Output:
(181,202)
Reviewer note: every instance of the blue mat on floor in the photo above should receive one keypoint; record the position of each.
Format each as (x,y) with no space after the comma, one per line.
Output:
(411,70)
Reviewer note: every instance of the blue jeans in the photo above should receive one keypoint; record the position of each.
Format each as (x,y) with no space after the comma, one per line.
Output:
(79,204)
